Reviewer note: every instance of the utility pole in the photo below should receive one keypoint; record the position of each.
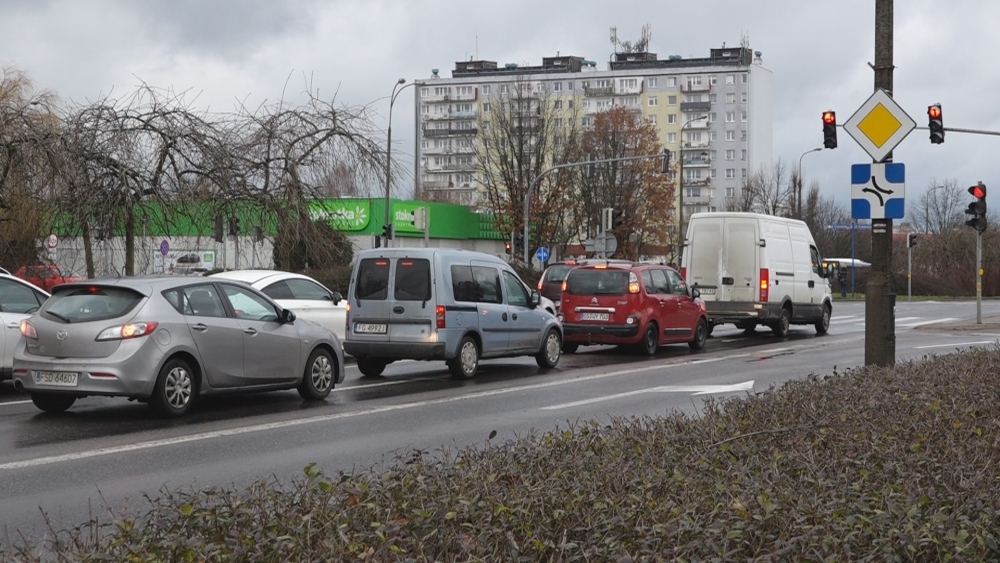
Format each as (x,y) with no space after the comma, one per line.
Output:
(880,318)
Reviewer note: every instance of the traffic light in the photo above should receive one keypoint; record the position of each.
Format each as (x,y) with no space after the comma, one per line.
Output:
(977,208)
(388,231)
(830,129)
(935,122)
(617,218)
(911,240)
(507,246)
(234,225)
(665,162)
(518,244)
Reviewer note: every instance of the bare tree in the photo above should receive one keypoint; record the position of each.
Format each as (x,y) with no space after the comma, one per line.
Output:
(767,191)
(940,207)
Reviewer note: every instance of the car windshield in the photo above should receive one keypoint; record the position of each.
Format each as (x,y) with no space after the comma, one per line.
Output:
(597,282)
(556,274)
(82,304)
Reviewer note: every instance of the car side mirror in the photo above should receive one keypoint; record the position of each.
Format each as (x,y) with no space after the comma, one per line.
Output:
(536,298)
(287,316)
(695,293)
(336,297)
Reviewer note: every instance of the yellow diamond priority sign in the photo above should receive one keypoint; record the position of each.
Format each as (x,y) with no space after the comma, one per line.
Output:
(879,125)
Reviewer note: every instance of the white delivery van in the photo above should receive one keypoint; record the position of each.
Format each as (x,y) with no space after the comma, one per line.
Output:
(753,269)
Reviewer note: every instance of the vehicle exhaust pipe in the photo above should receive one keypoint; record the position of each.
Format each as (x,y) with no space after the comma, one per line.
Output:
(19,386)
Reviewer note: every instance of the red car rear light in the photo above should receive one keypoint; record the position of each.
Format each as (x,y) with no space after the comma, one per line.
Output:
(439,314)
(765,285)
(347,315)
(539,284)
(127,331)
(633,283)
(28,330)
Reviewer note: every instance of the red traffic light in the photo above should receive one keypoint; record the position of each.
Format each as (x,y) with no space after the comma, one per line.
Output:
(979,190)
(829,117)
(934,111)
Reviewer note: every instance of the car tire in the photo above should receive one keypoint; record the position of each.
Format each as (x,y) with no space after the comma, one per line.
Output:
(570,347)
(548,356)
(464,365)
(52,403)
(823,324)
(175,389)
(319,375)
(711,327)
(780,327)
(650,339)
(370,367)
(700,335)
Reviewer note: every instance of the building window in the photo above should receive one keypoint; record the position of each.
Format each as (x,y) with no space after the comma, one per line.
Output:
(486,89)
(694,81)
(731,154)
(743,78)
(631,101)
(731,98)
(651,119)
(585,121)
(743,97)
(569,85)
(651,83)
(743,135)
(711,80)
(743,154)
(652,100)
(711,98)
(730,135)
(558,103)
(671,100)
(423,144)
(570,104)
(711,136)
(424,92)
(627,83)
(671,137)
(486,107)
(743,116)
(672,81)
(557,87)
(730,173)
(730,79)
(604,83)
(712,117)
(712,154)
(730,192)
(715,173)
(502,89)
(730,117)
(694,192)
(743,173)
(671,118)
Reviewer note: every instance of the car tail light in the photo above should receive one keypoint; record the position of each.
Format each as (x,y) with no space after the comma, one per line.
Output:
(127,331)
(633,283)
(439,314)
(564,286)
(765,285)
(28,330)
(540,283)
(600,266)
(347,315)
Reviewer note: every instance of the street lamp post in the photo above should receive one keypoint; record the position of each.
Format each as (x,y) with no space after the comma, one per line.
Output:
(798,196)
(680,192)
(388,154)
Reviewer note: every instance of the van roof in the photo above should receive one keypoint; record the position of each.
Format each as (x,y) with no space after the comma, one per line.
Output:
(422,252)
(744,215)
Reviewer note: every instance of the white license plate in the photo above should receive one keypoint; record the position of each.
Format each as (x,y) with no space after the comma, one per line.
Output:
(594,316)
(369,328)
(707,290)
(56,378)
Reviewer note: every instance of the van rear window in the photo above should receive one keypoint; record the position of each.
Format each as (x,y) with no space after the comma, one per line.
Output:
(597,282)
(556,274)
(413,280)
(373,279)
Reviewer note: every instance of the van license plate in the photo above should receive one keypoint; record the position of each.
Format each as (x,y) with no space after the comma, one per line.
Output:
(594,316)
(369,328)
(707,290)
(56,378)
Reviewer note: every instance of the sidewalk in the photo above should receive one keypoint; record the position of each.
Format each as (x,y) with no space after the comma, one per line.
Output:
(991,323)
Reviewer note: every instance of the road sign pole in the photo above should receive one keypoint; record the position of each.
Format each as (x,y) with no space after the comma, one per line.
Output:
(979,278)
(909,269)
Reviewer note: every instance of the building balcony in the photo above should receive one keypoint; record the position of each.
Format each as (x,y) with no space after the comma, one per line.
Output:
(697,162)
(449,132)
(695,182)
(601,91)
(695,106)
(704,87)
(695,145)
(454,168)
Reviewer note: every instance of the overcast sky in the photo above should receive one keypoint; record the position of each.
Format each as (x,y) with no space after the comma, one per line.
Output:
(260,50)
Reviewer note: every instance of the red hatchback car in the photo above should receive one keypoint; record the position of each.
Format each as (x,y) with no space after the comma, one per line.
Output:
(643,305)
(46,275)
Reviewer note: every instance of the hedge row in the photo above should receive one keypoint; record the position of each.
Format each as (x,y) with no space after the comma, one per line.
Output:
(872,464)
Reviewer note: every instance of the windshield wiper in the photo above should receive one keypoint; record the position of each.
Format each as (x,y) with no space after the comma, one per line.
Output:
(58,316)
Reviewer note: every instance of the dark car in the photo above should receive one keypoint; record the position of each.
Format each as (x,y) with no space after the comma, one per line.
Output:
(550,284)
(46,276)
(642,305)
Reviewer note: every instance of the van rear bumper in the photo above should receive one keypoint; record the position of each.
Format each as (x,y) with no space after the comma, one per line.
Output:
(396,350)
(600,334)
(729,312)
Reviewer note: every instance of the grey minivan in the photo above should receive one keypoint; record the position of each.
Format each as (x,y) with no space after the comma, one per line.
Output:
(444,304)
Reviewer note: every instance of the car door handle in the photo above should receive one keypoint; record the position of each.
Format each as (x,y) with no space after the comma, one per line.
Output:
(14,324)
(504,317)
(199,327)
(250,331)
(399,310)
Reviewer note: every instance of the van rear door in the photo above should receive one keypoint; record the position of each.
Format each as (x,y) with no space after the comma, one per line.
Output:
(705,257)
(370,317)
(412,316)
(740,269)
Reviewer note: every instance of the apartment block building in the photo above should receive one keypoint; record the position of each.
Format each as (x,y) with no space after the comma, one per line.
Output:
(714,112)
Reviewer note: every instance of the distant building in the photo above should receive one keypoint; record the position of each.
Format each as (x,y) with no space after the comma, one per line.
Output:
(730,91)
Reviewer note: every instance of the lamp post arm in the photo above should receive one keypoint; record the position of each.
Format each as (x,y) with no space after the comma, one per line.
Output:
(388,150)
(543,173)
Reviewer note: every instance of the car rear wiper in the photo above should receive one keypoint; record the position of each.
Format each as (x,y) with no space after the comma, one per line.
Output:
(58,316)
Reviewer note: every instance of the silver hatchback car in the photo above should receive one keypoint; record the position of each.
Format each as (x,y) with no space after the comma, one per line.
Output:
(166,341)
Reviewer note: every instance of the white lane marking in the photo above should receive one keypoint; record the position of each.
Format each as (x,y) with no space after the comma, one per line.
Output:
(909,319)
(944,320)
(844,318)
(7,403)
(76,456)
(693,389)
(955,344)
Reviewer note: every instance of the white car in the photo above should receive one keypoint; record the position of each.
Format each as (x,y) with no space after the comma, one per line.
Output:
(19,299)
(306,297)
